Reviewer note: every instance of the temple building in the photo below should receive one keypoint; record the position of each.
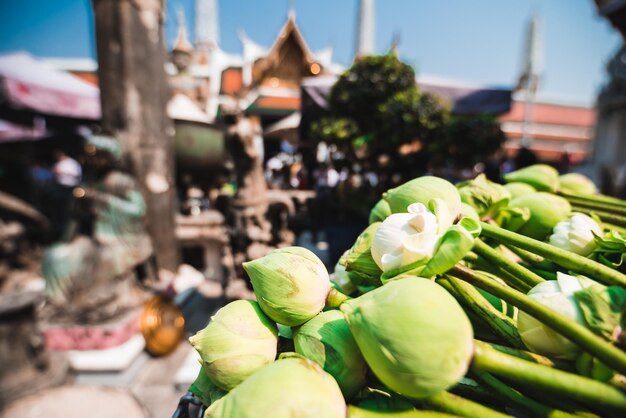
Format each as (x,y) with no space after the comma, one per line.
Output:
(262,82)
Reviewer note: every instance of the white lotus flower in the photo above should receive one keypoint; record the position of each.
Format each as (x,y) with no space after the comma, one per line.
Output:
(559,296)
(576,234)
(405,238)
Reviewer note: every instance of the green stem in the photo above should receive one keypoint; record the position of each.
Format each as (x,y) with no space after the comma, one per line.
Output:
(335,298)
(512,280)
(601,206)
(619,220)
(500,324)
(599,198)
(453,404)
(534,357)
(556,381)
(527,276)
(533,259)
(470,389)
(530,405)
(561,257)
(546,275)
(575,332)
(357,412)
(612,227)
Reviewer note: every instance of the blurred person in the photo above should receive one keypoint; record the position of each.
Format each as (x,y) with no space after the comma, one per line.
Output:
(525,157)
(67,171)
(67,174)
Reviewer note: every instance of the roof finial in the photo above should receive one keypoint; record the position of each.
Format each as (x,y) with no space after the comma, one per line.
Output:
(182,40)
(291,14)
(395,42)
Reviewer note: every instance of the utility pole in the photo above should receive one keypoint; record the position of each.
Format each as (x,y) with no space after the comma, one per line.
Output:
(134,94)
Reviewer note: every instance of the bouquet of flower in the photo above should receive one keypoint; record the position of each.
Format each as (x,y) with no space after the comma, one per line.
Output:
(473,300)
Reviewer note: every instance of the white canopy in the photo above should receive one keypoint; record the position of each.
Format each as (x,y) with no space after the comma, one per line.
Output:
(32,85)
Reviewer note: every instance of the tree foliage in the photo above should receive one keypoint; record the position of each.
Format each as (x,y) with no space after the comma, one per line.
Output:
(377,102)
(470,139)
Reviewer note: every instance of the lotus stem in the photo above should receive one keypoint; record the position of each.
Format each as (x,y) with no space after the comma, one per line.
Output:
(555,381)
(522,273)
(456,405)
(566,259)
(535,408)
(599,202)
(612,227)
(470,389)
(500,324)
(534,357)
(619,220)
(575,332)
(546,275)
(533,259)
(480,263)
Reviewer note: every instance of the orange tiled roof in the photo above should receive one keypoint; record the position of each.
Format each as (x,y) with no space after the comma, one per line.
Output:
(546,113)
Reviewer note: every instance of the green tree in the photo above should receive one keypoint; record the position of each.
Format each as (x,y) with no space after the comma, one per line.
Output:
(471,139)
(377,103)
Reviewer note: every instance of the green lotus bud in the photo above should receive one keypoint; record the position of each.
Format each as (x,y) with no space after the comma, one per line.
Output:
(358,259)
(517,188)
(327,340)
(558,295)
(379,212)
(546,210)
(576,183)
(289,387)
(542,177)
(238,341)
(413,334)
(205,390)
(423,190)
(290,283)
(483,195)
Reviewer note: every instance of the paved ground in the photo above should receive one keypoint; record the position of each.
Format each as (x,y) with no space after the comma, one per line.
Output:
(146,389)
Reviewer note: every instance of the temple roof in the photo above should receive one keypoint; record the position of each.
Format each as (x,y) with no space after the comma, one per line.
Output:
(182,43)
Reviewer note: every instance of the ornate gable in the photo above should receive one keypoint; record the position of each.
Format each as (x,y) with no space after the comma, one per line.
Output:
(288,61)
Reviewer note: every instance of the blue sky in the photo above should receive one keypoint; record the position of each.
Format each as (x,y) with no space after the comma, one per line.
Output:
(477,41)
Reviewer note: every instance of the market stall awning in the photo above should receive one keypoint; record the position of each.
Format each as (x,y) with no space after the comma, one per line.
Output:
(286,128)
(181,107)
(31,85)
(10,131)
